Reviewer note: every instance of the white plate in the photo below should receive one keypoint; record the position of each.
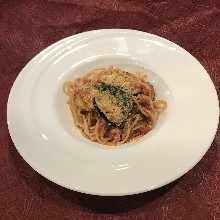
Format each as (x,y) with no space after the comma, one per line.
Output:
(41,126)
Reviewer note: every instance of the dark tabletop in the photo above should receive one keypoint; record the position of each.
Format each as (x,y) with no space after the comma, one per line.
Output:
(27,27)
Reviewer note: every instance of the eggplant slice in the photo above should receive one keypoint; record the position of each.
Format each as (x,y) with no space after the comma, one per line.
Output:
(103,115)
(112,103)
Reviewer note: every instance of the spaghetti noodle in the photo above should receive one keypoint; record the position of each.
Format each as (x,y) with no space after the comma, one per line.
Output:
(111,106)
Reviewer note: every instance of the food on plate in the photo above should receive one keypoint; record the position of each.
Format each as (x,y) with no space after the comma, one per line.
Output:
(112,106)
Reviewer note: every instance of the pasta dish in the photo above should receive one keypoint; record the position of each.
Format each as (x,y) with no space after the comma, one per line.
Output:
(112,106)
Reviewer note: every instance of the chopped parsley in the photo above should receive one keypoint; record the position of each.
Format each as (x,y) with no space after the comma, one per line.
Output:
(124,99)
